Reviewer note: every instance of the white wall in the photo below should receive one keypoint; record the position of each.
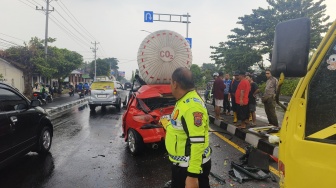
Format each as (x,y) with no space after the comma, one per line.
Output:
(11,75)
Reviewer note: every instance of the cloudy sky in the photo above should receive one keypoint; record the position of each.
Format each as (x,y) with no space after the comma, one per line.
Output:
(117,24)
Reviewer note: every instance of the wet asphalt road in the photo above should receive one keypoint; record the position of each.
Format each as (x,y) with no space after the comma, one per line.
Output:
(87,151)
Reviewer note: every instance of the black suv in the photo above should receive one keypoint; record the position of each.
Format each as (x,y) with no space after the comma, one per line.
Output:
(24,126)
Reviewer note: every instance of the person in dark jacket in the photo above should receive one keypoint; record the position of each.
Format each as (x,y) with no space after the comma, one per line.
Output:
(233,87)
(219,87)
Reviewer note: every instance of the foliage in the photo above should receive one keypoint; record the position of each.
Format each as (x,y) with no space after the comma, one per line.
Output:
(287,88)
(197,74)
(254,38)
(31,59)
(103,67)
(1,76)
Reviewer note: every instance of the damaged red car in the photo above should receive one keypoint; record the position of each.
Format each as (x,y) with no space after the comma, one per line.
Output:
(145,107)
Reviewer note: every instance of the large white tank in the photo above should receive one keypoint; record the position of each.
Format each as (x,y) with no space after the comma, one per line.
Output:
(160,53)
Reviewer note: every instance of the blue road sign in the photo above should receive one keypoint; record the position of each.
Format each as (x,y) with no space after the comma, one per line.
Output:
(189,40)
(149,16)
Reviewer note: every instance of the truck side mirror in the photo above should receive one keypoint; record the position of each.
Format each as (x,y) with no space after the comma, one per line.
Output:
(291,48)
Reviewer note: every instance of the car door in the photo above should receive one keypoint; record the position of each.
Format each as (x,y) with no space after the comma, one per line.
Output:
(23,121)
(121,91)
(5,134)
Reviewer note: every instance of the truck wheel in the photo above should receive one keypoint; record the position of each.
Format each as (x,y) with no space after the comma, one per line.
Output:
(92,108)
(44,142)
(134,142)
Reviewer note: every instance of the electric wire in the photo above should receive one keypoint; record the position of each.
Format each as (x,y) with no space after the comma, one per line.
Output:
(26,4)
(75,20)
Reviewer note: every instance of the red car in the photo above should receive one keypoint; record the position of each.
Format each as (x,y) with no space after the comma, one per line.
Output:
(141,120)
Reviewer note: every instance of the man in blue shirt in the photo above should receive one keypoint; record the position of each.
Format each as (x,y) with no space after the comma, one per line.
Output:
(226,101)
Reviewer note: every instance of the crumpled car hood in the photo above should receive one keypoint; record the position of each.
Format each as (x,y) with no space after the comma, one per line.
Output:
(151,91)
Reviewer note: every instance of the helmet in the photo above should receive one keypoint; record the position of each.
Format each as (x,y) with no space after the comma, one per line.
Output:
(215,74)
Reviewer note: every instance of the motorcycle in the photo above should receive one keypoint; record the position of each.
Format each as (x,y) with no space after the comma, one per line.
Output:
(71,92)
(81,93)
(38,96)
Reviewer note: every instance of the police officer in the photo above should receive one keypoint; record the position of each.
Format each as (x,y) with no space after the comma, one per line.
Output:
(187,137)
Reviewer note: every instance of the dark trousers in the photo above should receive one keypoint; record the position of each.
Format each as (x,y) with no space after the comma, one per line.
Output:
(243,112)
(270,112)
(179,175)
(234,104)
(226,103)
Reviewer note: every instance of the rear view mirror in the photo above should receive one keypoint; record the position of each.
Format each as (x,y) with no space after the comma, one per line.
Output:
(291,48)
(35,103)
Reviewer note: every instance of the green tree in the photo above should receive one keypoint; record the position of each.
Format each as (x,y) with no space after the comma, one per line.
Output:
(197,74)
(255,36)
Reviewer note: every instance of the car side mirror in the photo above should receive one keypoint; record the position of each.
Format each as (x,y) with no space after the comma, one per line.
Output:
(35,103)
(291,48)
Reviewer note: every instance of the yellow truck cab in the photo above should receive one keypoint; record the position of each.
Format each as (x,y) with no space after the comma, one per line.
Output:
(307,148)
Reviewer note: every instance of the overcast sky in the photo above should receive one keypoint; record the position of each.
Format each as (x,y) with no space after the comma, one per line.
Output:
(117,24)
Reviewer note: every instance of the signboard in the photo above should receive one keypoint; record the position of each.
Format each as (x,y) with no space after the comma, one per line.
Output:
(121,73)
(189,41)
(148,16)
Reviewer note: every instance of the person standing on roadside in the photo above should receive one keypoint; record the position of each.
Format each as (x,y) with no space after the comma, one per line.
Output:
(252,98)
(187,134)
(215,76)
(219,87)
(241,95)
(226,102)
(232,90)
(269,98)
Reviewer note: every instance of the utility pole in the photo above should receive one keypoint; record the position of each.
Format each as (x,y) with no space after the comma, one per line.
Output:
(94,50)
(46,26)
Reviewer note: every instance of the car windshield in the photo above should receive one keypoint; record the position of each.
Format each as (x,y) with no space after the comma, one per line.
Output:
(102,86)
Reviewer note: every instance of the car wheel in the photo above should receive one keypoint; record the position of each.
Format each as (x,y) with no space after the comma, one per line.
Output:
(44,142)
(118,107)
(125,101)
(134,142)
(92,108)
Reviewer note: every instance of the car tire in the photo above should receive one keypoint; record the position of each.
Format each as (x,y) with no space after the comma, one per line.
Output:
(92,108)
(118,107)
(134,142)
(44,141)
(125,101)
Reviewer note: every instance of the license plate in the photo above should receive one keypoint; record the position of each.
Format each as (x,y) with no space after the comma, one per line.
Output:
(101,96)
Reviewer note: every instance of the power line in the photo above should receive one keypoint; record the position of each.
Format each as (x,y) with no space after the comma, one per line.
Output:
(9,42)
(68,32)
(76,21)
(11,37)
(26,4)
(37,3)
(72,26)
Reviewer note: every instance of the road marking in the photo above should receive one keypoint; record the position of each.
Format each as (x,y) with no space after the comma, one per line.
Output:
(273,170)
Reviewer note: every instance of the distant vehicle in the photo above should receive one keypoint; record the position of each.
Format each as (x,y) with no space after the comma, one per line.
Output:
(127,85)
(24,125)
(106,93)
(207,94)
(141,119)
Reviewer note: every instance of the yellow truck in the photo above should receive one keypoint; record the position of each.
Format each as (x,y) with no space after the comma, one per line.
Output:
(307,148)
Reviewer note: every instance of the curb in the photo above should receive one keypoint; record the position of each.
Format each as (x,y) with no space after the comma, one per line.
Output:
(61,108)
(250,138)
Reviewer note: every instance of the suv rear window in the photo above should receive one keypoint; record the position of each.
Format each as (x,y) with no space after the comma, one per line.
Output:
(102,86)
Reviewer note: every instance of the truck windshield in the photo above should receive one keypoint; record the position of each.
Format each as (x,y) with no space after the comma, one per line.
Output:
(321,107)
